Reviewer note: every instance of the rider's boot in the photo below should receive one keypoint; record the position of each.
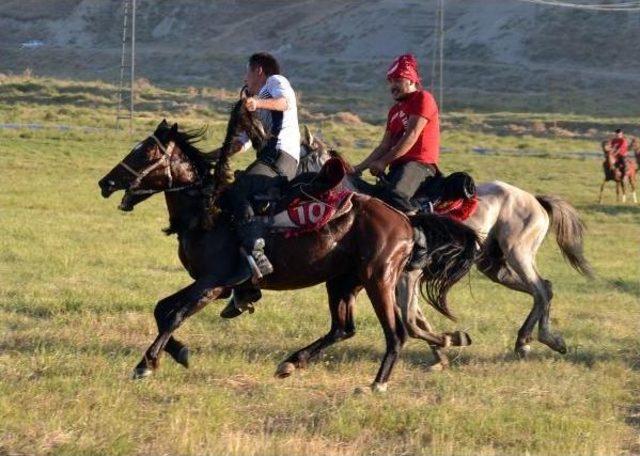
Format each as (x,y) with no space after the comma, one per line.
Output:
(252,245)
(419,254)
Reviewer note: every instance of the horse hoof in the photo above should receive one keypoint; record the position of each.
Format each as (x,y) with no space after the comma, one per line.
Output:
(555,343)
(460,339)
(561,348)
(141,372)
(523,350)
(436,367)
(183,357)
(379,387)
(285,369)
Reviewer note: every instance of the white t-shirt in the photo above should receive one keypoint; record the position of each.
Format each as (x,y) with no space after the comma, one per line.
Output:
(283,125)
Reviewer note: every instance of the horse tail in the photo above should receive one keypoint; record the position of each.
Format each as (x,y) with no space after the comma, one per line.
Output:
(569,231)
(450,253)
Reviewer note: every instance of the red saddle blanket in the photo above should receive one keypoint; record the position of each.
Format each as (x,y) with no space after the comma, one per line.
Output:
(459,209)
(304,215)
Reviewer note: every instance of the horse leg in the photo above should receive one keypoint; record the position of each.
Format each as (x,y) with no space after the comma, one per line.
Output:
(170,313)
(380,289)
(498,271)
(632,184)
(176,349)
(514,269)
(624,190)
(601,190)
(342,297)
(417,325)
(617,191)
(540,288)
(545,335)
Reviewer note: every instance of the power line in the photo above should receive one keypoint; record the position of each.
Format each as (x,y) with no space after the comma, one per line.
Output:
(624,6)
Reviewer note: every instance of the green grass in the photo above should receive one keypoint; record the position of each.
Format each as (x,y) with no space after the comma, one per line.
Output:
(79,280)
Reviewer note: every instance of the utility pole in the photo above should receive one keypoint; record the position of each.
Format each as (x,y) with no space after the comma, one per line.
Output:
(129,8)
(437,54)
(441,51)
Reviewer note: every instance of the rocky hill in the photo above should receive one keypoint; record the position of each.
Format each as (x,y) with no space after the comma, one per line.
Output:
(500,54)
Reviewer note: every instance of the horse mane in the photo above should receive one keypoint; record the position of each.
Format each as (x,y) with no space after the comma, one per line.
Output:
(187,141)
(239,120)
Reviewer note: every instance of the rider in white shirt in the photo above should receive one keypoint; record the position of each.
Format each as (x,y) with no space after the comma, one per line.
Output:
(274,101)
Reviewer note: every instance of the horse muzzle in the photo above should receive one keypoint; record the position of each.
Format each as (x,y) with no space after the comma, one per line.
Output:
(107,187)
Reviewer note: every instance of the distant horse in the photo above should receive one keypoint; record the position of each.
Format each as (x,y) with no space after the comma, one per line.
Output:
(367,247)
(635,148)
(612,171)
(512,224)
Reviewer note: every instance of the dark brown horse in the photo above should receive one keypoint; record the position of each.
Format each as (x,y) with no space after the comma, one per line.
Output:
(366,248)
(612,172)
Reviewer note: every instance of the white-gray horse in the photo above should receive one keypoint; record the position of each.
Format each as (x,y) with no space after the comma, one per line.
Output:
(512,224)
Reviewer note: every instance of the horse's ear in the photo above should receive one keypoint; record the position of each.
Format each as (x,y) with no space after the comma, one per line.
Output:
(163,123)
(308,137)
(244,93)
(174,128)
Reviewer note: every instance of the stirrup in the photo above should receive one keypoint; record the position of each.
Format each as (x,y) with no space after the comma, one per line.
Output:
(258,262)
(262,262)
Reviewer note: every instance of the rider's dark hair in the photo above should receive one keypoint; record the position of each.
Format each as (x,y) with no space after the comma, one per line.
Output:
(266,61)
(619,130)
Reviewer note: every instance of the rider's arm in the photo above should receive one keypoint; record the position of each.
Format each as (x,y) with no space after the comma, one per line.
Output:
(281,96)
(415,126)
(381,150)
(271,104)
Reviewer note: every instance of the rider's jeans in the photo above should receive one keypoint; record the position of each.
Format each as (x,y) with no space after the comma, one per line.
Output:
(403,181)
(258,178)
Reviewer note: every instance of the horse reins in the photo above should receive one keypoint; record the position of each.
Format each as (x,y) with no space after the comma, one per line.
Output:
(166,156)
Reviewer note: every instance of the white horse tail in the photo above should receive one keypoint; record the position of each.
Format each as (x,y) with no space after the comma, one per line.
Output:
(569,231)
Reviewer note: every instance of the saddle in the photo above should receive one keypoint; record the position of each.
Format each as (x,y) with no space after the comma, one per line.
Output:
(307,203)
(453,195)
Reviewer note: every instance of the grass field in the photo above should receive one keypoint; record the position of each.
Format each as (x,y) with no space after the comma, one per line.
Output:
(79,280)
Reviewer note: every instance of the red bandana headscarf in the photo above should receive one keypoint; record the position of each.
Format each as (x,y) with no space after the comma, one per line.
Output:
(405,66)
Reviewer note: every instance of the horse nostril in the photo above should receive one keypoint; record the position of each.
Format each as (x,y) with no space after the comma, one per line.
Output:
(107,187)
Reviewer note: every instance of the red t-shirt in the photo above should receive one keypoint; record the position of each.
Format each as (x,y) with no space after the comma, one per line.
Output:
(427,147)
(620,144)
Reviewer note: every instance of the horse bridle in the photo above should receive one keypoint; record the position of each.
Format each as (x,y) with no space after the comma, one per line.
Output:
(140,175)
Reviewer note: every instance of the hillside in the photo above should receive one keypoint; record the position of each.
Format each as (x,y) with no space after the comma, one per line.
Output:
(500,54)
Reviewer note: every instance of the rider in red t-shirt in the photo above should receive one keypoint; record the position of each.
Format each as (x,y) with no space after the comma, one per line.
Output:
(619,144)
(411,142)
(620,149)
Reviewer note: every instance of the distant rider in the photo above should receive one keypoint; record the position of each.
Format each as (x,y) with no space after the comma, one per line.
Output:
(620,150)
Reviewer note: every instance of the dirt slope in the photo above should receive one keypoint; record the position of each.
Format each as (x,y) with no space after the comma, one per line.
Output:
(500,55)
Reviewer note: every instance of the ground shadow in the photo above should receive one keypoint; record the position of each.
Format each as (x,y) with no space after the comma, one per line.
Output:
(612,208)
(626,286)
